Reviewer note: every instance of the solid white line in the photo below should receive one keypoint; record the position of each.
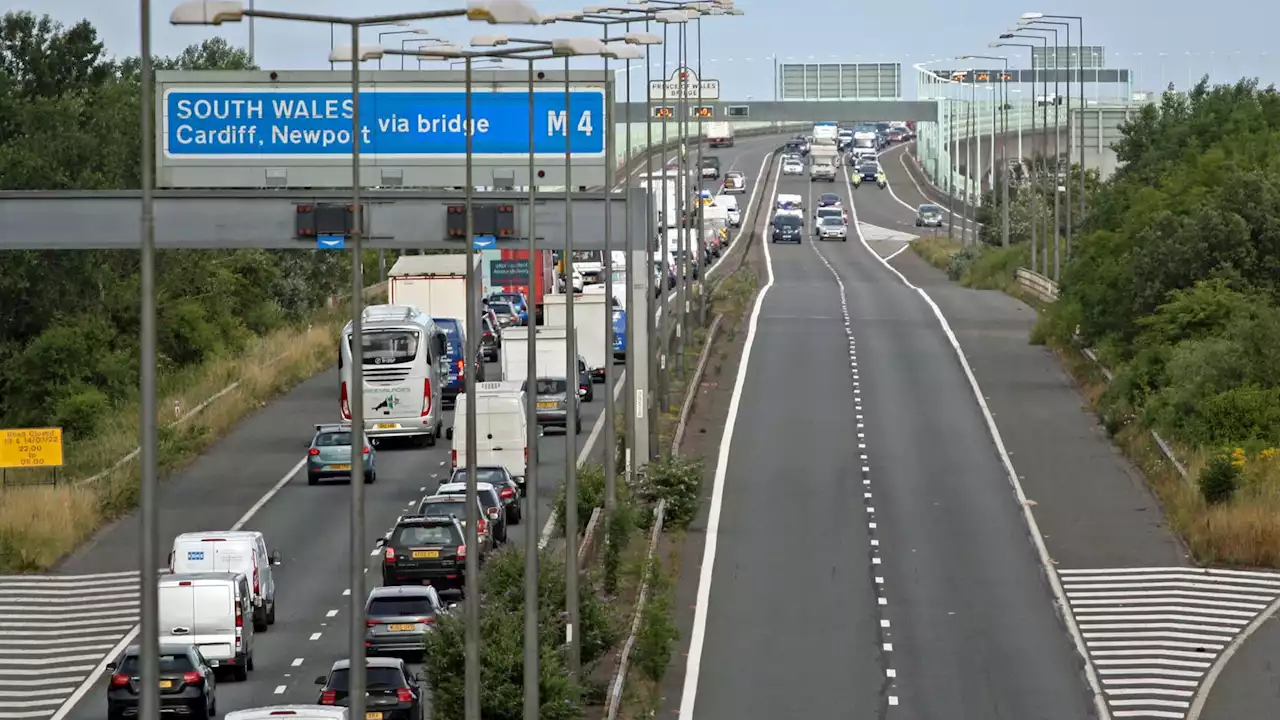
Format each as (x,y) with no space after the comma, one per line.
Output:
(897,252)
(315,636)
(101,668)
(901,155)
(702,607)
(1046,562)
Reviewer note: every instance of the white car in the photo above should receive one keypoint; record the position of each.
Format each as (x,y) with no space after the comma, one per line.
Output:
(832,227)
(792,166)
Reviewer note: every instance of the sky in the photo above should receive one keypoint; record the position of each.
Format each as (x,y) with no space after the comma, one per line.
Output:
(1171,45)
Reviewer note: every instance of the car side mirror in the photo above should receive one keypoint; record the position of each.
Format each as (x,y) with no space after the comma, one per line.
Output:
(321,680)
(380,543)
(112,666)
(453,606)
(448,434)
(275,557)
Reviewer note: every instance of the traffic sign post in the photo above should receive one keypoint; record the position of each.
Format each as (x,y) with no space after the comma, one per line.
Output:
(30,449)
(293,129)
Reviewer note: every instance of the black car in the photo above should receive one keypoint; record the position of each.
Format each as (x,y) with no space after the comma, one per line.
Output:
(490,341)
(186,683)
(393,691)
(829,200)
(510,489)
(425,550)
(869,171)
(586,389)
(787,228)
(711,167)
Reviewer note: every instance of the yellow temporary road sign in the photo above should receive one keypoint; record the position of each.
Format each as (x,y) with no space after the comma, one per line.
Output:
(31,447)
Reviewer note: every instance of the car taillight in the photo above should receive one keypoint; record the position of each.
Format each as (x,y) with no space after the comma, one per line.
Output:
(328,697)
(462,552)
(453,458)
(461,368)
(389,555)
(345,404)
(313,452)
(191,678)
(526,454)
(372,623)
(482,526)
(119,680)
(239,626)
(507,493)
(426,397)
(366,450)
(239,617)
(403,695)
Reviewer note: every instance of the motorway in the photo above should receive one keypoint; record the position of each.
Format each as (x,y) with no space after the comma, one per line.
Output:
(864,551)
(61,629)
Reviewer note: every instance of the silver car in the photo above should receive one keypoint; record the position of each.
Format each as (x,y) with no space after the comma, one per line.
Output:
(929,215)
(552,394)
(792,166)
(831,227)
(400,616)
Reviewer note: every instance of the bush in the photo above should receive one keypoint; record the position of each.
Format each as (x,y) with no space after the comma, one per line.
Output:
(618,532)
(1221,477)
(678,481)
(961,261)
(590,496)
(651,653)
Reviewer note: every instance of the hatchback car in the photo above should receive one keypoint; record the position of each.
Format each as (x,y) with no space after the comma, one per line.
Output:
(506,313)
(330,455)
(187,683)
(829,200)
(517,302)
(425,550)
(735,182)
(434,504)
(398,618)
(495,511)
(510,490)
(553,402)
(393,692)
(792,166)
(929,215)
(833,228)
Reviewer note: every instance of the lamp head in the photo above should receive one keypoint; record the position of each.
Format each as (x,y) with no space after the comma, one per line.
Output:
(672,17)
(1006,36)
(963,57)
(1032,16)
(623,52)
(207,12)
(489,40)
(503,12)
(995,44)
(642,38)
(735,11)
(564,47)
(347,53)
(1023,22)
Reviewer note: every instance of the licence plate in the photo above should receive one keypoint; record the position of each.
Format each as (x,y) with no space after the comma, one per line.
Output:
(546,404)
(401,628)
(425,554)
(373,716)
(386,426)
(166,684)
(339,467)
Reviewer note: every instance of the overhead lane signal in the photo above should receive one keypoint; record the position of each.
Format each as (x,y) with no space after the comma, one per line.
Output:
(703,111)
(664,111)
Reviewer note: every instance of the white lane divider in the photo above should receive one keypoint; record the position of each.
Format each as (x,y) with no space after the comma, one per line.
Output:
(873,525)
(1037,538)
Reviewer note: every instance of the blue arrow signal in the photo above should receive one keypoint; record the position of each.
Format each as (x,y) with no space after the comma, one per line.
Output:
(330,242)
(483,242)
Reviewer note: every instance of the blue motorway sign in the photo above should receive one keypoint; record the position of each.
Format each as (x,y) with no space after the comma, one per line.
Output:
(331,242)
(292,124)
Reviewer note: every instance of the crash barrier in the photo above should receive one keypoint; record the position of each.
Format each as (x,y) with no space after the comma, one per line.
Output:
(640,140)
(1037,286)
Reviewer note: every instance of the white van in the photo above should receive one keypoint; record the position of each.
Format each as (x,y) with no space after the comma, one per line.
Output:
(245,552)
(289,712)
(502,430)
(730,204)
(208,610)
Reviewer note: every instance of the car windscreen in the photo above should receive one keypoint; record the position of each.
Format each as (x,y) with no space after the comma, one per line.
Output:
(400,606)
(169,663)
(552,386)
(333,439)
(511,298)
(930,209)
(425,535)
(501,308)
(832,221)
(830,212)
(487,498)
(443,507)
(786,221)
(493,476)
(868,169)
(377,678)
(710,162)
(389,347)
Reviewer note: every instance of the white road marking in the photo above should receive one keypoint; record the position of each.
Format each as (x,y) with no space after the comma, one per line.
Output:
(1101,707)
(280,689)
(315,636)
(331,613)
(296,662)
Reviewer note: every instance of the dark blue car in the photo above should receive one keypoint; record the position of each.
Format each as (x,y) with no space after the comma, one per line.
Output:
(453,385)
(517,302)
(619,334)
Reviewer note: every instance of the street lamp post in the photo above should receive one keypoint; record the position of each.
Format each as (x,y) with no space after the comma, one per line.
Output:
(1080,78)
(1004,130)
(1003,42)
(1057,149)
(1029,23)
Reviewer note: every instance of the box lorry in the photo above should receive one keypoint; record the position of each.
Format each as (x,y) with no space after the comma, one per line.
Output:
(589,315)
(665,185)
(552,347)
(718,134)
(508,271)
(435,284)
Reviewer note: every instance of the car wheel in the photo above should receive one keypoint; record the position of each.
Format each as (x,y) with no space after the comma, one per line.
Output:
(260,621)
(312,479)
(431,437)
(577,427)
(213,706)
(240,673)
(271,613)
(371,478)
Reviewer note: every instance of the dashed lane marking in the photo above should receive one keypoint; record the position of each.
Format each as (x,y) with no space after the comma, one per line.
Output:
(55,630)
(1154,633)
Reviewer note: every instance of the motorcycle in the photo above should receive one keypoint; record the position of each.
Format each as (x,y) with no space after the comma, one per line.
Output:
(882,181)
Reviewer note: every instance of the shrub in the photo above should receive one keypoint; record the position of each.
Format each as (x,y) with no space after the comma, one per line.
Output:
(618,531)
(678,481)
(652,651)
(1220,478)
(961,261)
(590,496)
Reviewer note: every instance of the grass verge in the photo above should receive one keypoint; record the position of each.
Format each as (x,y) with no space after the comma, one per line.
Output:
(979,267)
(41,523)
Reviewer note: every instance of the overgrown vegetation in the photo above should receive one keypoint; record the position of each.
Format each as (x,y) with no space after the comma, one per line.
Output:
(1174,283)
(658,634)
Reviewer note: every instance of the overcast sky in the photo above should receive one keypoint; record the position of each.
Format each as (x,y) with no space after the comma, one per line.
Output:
(1161,44)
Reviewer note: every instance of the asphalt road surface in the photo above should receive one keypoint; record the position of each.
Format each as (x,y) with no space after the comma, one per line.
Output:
(868,550)
(68,624)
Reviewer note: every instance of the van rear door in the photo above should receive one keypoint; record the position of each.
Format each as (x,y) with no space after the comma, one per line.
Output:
(215,620)
(510,439)
(177,610)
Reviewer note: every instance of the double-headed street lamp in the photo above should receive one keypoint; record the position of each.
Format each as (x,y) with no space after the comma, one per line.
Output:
(1030,24)
(217,12)
(1080,70)
(1057,141)
(1036,180)
(1004,131)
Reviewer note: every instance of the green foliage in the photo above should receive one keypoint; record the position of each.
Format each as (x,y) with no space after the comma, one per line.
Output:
(677,480)
(590,496)
(1174,272)
(651,653)
(69,320)
(618,532)
(1219,479)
